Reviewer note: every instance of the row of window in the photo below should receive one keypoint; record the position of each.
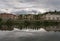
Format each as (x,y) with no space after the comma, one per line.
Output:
(53,18)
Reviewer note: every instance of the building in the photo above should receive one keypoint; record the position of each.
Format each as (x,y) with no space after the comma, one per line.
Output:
(30,17)
(6,16)
(51,16)
(26,17)
(45,16)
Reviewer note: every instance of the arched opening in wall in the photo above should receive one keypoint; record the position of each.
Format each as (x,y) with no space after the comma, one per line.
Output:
(48,18)
(57,18)
(53,18)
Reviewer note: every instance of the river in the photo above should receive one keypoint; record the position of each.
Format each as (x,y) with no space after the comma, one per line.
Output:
(29,35)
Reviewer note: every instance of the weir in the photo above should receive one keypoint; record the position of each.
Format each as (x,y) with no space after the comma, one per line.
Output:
(41,29)
(31,30)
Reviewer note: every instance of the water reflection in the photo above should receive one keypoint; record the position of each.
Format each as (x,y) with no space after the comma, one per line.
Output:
(18,35)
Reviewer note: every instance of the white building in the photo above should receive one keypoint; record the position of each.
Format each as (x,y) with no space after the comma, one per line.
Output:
(51,16)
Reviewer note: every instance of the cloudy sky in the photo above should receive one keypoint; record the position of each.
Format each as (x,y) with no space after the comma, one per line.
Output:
(28,5)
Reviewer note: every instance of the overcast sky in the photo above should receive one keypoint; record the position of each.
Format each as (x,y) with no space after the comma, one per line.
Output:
(40,5)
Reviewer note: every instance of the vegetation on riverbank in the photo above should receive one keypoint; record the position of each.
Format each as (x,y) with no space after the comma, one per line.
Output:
(10,24)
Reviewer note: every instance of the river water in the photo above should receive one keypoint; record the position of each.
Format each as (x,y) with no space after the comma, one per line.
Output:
(29,35)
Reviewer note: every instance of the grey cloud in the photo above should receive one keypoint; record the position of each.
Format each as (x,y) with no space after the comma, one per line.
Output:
(41,4)
(25,12)
(48,4)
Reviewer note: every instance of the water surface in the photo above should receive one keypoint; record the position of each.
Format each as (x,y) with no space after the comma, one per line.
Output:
(29,36)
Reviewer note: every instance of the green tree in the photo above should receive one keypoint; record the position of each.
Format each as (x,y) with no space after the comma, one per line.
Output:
(0,23)
(9,23)
(26,23)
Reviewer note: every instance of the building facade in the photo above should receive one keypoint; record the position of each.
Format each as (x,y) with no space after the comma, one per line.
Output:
(47,16)
(51,16)
(6,16)
(30,17)
(26,17)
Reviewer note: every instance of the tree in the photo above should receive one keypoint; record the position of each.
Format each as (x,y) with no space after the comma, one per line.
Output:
(26,23)
(20,17)
(0,23)
(9,23)
(20,25)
